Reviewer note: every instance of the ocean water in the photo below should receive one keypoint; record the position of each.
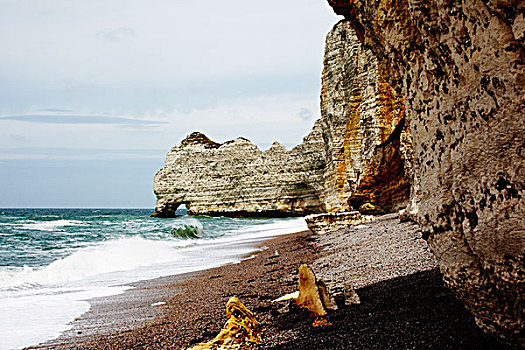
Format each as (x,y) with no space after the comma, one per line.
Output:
(52,261)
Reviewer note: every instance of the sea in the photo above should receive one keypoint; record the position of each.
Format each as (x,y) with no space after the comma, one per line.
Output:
(53,261)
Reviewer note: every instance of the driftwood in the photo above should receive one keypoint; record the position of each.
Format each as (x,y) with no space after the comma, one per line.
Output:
(240,331)
(309,292)
(327,299)
(315,296)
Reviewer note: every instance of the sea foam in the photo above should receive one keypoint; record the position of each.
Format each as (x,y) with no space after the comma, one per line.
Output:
(126,254)
(52,225)
(35,317)
(111,256)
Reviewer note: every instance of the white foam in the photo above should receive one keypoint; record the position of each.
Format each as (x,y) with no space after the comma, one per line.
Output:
(50,225)
(131,253)
(187,221)
(276,228)
(117,255)
(264,231)
(34,318)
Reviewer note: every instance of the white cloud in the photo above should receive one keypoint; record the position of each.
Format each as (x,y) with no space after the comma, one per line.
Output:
(24,153)
(261,119)
(69,119)
(173,41)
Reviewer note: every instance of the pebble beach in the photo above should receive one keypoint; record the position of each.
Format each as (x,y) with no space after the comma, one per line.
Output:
(404,304)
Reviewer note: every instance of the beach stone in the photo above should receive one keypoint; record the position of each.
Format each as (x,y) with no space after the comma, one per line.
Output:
(351,296)
(240,331)
(459,68)
(326,297)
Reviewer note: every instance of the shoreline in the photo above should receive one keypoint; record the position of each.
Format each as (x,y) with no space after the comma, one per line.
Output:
(403,301)
(119,313)
(134,309)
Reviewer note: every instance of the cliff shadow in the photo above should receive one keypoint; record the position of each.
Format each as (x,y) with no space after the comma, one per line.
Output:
(410,312)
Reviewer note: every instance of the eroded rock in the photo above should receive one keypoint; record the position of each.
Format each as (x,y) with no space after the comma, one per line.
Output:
(369,149)
(323,223)
(236,178)
(315,295)
(326,297)
(357,155)
(351,296)
(459,67)
(240,331)
(308,292)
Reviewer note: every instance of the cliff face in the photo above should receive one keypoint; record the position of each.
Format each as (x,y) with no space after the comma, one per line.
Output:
(460,69)
(236,178)
(368,147)
(355,156)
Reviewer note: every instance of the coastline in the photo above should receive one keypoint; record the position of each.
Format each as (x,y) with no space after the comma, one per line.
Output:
(404,303)
(129,320)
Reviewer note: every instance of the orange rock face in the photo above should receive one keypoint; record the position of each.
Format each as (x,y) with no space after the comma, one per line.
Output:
(363,120)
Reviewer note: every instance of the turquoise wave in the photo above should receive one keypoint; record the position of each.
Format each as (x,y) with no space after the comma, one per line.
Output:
(187,232)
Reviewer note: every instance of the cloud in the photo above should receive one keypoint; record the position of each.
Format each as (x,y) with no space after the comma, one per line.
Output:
(305,114)
(262,120)
(54,110)
(80,119)
(117,34)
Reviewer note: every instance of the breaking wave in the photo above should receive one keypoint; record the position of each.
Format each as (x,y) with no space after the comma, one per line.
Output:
(193,229)
(111,256)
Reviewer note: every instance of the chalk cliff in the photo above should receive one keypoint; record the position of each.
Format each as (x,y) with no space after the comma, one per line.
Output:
(368,147)
(236,178)
(459,67)
(356,156)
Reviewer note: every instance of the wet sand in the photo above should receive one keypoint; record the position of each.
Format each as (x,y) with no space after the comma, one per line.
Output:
(403,302)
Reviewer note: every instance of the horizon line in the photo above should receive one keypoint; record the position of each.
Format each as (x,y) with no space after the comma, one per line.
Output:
(77,208)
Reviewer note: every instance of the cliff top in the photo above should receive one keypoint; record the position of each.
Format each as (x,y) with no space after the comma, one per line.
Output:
(198,138)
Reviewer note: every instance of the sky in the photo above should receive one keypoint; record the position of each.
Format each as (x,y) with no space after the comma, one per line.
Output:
(94,93)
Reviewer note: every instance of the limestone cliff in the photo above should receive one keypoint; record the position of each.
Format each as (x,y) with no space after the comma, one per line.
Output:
(459,67)
(368,148)
(236,178)
(356,156)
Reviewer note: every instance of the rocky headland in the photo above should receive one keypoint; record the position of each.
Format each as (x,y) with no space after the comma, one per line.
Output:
(421,108)
(358,154)
(236,178)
